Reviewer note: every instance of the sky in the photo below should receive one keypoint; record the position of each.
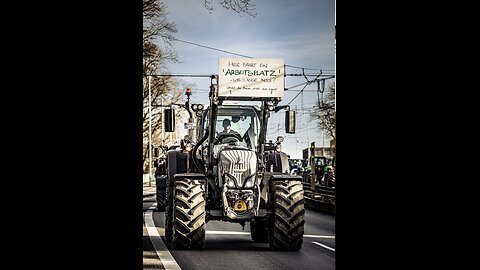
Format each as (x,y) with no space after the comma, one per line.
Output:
(300,32)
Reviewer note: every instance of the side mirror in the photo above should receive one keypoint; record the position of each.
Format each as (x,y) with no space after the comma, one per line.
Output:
(290,121)
(169,120)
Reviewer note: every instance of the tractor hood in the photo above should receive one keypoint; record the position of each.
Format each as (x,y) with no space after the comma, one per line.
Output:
(238,165)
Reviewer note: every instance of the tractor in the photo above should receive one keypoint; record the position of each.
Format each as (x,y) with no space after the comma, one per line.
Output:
(238,177)
(324,172)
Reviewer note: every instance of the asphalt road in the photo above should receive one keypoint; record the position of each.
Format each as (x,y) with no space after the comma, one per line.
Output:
(227,246)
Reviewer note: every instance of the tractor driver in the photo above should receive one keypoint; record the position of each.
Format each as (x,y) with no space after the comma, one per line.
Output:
(227,127)
(227,131)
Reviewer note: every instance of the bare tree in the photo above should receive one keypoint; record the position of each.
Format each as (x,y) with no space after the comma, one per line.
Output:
(326,113)
(175,94)
(239,6)
(158,49)
(156,31)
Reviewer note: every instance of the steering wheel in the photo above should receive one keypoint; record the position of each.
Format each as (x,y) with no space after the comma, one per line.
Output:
(230,140)
(222,136)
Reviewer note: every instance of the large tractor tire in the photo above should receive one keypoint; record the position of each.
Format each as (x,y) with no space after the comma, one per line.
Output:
(259,230)
(189,214)
(169,214)
(287,224)
(330,179)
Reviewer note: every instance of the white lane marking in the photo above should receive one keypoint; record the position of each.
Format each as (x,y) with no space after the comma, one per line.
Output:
(226,232)
(306,235)
(324,246)
(248,233)
(165,257)
(319,236)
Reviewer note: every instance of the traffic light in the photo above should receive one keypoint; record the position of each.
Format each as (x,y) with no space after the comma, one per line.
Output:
(169,120)
(290,121)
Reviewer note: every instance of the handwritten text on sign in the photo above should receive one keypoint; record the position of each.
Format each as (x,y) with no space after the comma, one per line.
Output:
(244,77)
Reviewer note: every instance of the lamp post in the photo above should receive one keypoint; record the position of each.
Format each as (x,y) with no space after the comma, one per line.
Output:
(149,132)
(162,126)
(296,146)
(308,132)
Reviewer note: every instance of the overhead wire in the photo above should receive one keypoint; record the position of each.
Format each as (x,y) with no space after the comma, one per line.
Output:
(301,91)
(211,48)
(286,65)
(238,54)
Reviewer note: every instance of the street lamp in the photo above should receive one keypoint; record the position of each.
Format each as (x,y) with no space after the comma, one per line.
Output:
(308,132)
(149,132)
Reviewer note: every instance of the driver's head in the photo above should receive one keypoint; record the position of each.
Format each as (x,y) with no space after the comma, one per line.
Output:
(226,123)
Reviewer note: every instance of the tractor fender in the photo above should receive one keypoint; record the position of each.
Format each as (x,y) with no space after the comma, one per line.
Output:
(172,163)
(195,176)
(176,161)
(277,160)
(177,164)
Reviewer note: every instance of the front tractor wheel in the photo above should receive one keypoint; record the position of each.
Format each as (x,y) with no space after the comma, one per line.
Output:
(189,214)
(287,224)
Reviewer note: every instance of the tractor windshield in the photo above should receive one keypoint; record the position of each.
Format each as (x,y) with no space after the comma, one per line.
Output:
(238,125)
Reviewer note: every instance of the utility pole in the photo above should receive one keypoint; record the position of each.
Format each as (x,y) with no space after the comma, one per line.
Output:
(312,166)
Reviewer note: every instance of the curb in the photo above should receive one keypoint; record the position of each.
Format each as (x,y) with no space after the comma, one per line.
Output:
(148,194)
(149,191)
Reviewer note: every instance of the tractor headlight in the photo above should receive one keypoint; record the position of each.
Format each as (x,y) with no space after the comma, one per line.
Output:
(270,106)
(188,147)
(230,181)
(248,182)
